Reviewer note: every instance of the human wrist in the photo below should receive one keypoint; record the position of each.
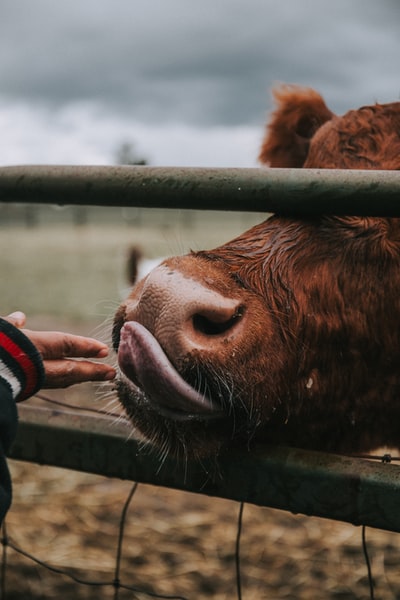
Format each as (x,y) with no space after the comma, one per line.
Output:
(21,365)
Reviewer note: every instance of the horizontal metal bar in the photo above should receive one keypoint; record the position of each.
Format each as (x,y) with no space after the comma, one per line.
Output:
(285,191)
(326,485)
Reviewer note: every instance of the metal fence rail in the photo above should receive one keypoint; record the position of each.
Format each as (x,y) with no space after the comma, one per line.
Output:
(294,191)
(347,489)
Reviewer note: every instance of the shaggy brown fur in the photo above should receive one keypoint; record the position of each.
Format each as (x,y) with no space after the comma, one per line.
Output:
(303,132)
(299,114)
(292,328)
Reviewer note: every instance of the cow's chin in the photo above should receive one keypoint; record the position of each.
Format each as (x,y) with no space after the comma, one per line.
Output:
(176,412)
(176,433)
(146,367)
(159,404)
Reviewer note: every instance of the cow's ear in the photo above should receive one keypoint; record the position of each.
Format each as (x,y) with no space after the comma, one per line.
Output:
(299,113)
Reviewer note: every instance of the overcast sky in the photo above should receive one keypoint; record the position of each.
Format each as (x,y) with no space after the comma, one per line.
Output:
(187,82)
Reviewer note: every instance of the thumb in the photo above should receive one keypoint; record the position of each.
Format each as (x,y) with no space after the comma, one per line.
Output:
(17,318)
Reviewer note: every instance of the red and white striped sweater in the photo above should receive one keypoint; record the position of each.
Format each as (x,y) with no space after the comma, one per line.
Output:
(21,376)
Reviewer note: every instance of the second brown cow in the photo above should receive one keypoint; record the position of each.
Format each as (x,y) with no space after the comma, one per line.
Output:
(287,334)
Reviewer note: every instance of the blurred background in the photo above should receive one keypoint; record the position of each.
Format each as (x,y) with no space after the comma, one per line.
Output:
(161,83)
(183,83)
(165,83)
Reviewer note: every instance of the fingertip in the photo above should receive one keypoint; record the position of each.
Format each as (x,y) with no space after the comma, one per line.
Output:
(105,373)
(102,353)
(110,375)
(17,318)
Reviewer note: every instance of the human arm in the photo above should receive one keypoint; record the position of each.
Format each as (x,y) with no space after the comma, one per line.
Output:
(60,353)
(30,360)
(21,375)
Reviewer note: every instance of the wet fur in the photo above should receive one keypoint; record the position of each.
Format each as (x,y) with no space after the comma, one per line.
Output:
(321,367)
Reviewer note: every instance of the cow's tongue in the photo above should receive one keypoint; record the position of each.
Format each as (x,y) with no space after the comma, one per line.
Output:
(142,360)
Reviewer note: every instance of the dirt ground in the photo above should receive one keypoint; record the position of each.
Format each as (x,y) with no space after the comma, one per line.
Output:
(180,544)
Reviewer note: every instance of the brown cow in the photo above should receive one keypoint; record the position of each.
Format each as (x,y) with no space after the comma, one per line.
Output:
(290,332)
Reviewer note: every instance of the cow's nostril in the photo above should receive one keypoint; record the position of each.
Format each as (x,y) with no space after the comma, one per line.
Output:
(212,324)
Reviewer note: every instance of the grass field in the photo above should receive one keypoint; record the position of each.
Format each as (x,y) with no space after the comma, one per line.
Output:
(79,271)
(72,278)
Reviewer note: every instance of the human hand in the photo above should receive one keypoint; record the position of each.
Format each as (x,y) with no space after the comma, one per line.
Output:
(64,355)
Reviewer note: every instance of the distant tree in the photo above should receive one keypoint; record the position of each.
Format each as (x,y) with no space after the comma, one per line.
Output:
(126,155)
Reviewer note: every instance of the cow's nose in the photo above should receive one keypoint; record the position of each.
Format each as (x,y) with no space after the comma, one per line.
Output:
(185,314)
(217,319)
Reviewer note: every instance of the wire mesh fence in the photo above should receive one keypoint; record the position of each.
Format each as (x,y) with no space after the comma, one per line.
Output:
(346,488)
(115,583)
(273,560)
(239,548)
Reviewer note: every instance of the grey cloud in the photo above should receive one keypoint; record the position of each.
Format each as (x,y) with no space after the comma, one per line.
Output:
(201,63)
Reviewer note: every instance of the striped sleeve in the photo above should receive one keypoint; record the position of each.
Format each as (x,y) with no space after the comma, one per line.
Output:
(21,366)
